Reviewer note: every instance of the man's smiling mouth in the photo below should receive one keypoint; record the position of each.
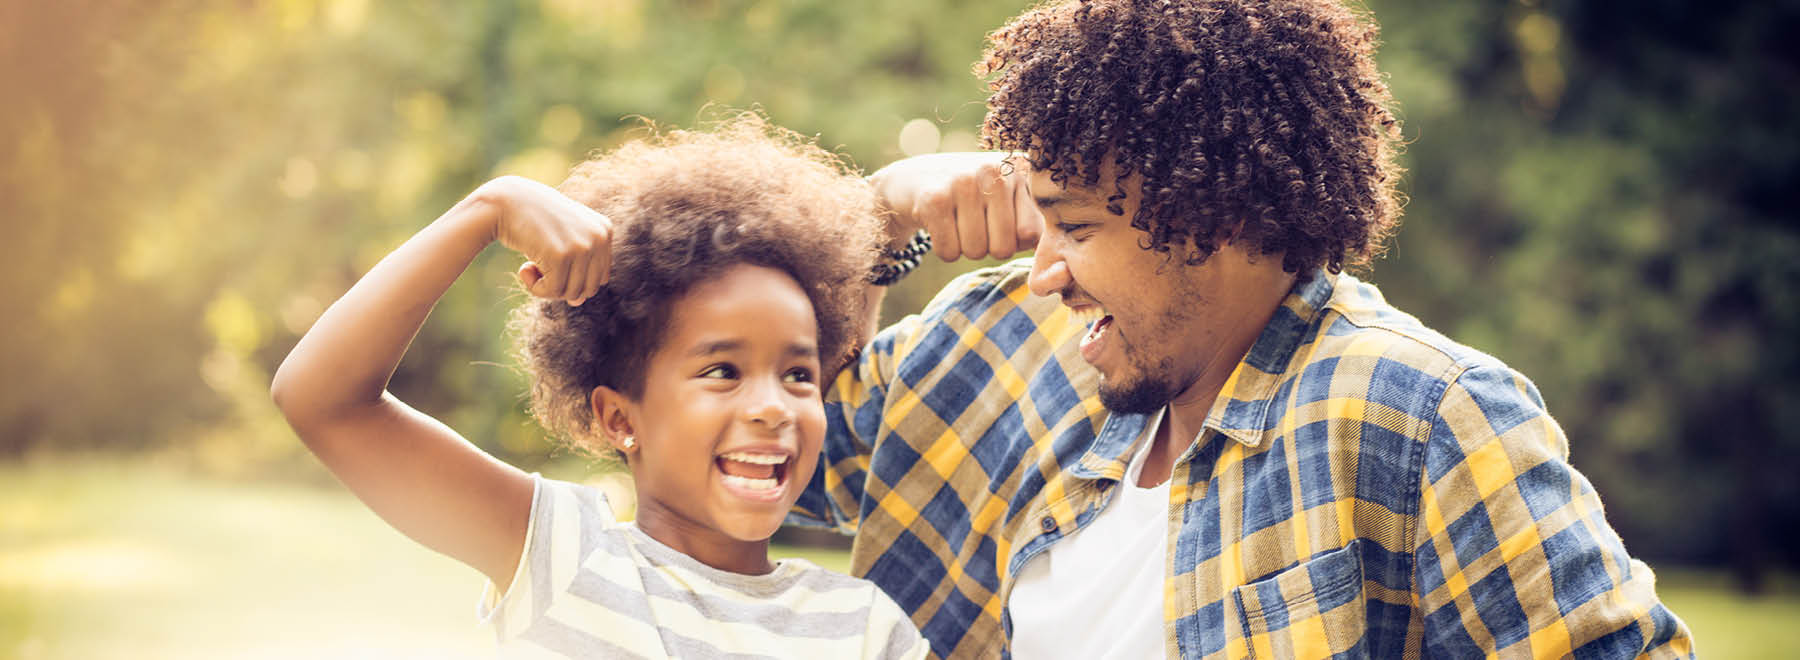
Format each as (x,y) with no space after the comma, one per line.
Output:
(1098,321)
(1095,340)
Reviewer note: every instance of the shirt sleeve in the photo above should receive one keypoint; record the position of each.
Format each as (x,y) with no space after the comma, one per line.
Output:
(565,517)
(854,407)
(891,635)
(1512,546)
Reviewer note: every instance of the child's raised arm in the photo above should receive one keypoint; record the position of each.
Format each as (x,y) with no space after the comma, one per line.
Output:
(417,474)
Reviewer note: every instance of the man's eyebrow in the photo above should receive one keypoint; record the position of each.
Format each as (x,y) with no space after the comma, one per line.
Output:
(1060,196)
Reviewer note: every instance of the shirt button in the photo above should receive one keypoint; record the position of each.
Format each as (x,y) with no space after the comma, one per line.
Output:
(1048,523)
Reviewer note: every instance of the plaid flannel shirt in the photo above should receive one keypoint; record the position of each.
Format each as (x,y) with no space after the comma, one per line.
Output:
(1363,487)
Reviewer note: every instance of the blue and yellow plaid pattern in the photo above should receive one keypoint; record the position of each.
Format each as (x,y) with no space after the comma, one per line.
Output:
(1364,487)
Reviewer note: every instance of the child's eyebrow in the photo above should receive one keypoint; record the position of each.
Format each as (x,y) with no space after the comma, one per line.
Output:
(795,349)
(720,346)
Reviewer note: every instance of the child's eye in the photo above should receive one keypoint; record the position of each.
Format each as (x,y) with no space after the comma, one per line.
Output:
(725,371)
(798,375)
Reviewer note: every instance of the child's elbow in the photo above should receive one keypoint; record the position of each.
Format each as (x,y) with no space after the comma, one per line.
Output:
(287,395)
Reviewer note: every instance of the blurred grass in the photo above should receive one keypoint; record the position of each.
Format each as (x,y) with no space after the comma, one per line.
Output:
(111,558)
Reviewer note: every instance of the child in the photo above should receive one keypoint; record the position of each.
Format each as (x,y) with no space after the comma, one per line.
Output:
(693,292)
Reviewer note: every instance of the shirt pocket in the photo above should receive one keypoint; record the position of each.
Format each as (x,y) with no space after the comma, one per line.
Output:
(1314,610)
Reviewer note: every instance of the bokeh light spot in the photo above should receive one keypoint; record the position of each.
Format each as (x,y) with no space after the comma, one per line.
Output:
(299,179)
(542,164)
(233,323)
(560,125)
(346,16)
(919,136)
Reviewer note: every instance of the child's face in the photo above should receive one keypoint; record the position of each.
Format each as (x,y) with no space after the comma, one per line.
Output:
(729,425)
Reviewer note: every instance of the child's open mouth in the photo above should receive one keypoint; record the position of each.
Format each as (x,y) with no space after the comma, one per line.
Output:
(754,474)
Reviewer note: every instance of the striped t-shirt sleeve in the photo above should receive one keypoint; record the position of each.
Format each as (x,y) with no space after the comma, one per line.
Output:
(546,564)
(536,618)
(891,634)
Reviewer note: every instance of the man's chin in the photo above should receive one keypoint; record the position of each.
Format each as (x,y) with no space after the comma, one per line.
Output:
(1141,397)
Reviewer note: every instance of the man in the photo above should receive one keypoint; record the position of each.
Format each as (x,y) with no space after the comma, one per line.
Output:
(1182,430)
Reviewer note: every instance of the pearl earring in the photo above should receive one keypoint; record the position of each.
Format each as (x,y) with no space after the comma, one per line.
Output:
(629,442)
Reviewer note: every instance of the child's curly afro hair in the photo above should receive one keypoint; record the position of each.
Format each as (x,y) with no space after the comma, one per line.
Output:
(687,205)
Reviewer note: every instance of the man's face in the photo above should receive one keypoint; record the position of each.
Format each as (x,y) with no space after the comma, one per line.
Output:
(1156,328)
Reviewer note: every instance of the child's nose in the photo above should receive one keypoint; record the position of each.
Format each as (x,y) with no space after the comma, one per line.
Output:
(768,408)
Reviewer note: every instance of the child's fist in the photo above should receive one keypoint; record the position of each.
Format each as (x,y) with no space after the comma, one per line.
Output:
(568,245)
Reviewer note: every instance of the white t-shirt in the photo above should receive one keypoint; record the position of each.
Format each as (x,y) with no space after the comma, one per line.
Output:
(591,587)
(1099,592)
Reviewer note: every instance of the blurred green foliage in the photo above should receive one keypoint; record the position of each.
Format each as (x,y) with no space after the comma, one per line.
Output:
(1602,194)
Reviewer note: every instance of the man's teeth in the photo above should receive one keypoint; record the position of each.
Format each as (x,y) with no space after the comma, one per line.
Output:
(1098,327)
(752,484)
(756,459)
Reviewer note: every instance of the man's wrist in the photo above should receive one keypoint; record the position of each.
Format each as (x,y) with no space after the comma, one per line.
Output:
(897,263)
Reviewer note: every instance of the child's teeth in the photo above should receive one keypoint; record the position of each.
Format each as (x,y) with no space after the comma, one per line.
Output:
(753,484)
(758,459)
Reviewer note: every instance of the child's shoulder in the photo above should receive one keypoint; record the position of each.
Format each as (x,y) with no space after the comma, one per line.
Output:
(571,522)
(571,502)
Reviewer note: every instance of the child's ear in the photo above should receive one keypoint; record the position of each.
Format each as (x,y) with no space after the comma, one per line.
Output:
(613,413)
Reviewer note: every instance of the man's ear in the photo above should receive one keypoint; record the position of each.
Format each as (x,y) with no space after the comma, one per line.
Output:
(613,415)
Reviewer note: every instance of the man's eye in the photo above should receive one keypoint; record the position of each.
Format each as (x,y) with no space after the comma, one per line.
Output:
(798,375)
(720,371)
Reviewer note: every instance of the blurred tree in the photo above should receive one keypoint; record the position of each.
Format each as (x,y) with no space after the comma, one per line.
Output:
(81,290)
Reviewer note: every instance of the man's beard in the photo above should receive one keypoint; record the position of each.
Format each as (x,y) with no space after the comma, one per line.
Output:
(1146,395)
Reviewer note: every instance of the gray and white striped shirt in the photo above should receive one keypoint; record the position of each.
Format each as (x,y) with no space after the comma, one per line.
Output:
(591,587)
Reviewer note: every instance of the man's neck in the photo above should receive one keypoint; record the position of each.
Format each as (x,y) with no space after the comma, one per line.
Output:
(1184,419)
(1181,424)
(1187,413)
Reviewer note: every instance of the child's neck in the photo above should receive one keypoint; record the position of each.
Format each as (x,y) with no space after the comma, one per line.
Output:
(705,544)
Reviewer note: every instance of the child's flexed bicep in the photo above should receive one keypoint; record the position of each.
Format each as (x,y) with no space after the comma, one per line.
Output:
(417,474)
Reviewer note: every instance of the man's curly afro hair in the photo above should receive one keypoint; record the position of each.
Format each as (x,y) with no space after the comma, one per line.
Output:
(1260,121)
(686,206)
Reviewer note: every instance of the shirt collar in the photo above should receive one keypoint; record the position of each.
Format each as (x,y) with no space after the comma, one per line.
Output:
(1241,411)
(1106,457)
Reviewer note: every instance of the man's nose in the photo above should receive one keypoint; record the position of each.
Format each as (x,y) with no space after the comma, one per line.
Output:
(1049,273)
